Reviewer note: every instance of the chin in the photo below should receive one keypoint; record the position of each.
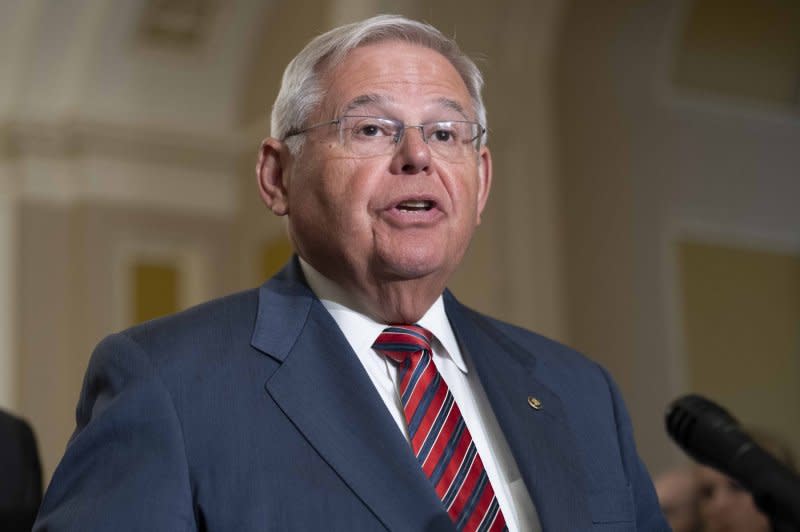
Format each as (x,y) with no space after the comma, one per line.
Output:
(409,268)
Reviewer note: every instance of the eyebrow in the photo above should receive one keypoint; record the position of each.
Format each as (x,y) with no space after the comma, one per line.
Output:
(380,99)
(454,105)
(365,99)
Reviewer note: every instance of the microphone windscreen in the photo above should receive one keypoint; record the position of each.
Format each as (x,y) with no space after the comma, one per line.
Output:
(706,431)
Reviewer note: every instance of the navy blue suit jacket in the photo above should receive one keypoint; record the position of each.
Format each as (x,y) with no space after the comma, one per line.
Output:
(252,413)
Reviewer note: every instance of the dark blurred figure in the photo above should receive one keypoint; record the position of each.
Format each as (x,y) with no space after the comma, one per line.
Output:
(725,505)
(678,497)
(20,475)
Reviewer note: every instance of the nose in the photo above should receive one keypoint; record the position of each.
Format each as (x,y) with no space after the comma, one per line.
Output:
(412,154)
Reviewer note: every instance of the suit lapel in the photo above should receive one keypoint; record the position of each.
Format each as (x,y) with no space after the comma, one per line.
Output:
(540,440)
(322,387)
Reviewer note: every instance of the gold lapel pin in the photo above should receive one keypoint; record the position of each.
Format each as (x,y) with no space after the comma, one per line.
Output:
(534,403)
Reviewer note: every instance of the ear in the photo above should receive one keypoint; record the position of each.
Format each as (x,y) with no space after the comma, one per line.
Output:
(484,179)
(271,171)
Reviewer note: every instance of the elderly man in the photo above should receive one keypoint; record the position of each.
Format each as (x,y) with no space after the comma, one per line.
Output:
(352,391)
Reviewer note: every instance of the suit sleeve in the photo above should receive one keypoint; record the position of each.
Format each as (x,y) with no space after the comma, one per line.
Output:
(125,467)
(648,511)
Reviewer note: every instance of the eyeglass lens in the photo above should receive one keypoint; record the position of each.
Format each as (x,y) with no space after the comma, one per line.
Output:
(367,135)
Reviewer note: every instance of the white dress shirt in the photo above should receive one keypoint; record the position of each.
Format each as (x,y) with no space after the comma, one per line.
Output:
(361,332)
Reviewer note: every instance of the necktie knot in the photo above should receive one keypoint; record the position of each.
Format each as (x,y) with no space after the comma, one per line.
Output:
(401,342)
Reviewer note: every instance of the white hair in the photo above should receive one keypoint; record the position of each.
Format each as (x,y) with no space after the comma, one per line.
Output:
(301,90)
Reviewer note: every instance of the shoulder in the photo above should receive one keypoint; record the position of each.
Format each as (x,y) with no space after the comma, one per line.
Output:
(595,412)
(159,358)
(586,392)
(547,352)
(10,423)
(173,348)
(15,431)
(221,313)
(206,327)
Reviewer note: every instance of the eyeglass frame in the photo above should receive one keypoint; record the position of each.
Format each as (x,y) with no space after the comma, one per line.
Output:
(401,128)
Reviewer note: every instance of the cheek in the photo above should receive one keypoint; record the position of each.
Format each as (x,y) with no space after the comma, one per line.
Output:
(462,185)
(468,208)
(336,197)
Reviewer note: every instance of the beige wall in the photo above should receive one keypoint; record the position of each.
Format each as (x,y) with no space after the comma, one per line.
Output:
(646,163)
(74,267)
(741,323)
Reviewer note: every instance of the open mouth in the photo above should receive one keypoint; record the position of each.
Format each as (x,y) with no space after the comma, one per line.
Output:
(416,205)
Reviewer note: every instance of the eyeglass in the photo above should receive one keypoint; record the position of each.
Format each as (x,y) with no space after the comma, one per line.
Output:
(375,135)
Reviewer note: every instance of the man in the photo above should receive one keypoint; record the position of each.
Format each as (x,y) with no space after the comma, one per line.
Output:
(352,391)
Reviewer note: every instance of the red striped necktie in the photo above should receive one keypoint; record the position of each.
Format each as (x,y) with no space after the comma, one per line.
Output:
(439,436)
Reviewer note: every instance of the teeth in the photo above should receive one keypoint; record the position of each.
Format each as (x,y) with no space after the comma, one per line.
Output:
(415,205)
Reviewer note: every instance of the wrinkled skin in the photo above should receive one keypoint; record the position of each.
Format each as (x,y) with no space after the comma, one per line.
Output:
(344,212)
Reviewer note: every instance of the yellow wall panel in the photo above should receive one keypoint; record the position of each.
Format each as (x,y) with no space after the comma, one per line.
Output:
(274,255)
(155,290)
(741,311)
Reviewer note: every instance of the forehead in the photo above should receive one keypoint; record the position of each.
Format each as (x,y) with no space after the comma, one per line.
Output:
(395,74)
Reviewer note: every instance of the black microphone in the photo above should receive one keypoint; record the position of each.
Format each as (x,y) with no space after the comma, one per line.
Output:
(710,435)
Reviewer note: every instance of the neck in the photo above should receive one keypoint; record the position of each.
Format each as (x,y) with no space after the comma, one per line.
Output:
(403,301)
(398,301)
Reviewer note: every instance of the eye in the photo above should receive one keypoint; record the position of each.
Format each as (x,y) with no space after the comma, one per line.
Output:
(444,133)
(364,128)
(706,492)
(369,130)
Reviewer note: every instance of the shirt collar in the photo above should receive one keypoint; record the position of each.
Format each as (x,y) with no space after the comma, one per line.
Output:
(361,330)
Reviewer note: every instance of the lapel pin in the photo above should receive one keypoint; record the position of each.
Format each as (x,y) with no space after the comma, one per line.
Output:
(534,403)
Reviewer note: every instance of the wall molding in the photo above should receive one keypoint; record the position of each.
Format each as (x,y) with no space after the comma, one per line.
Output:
(685,228)
(191,262)
(9,354)
(68,162)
